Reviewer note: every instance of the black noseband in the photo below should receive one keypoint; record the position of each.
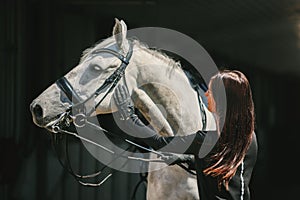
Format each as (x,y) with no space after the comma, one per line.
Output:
(67,88)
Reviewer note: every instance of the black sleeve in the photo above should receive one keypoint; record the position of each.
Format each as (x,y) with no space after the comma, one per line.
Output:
(189,144)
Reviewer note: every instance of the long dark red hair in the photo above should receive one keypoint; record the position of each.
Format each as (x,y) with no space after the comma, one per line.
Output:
(238,118)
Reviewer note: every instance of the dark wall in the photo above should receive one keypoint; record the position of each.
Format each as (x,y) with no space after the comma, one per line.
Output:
(42,40)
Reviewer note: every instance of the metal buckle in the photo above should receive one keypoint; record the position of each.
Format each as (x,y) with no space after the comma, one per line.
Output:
(79,120)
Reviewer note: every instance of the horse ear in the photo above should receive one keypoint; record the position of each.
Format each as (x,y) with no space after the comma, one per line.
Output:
(120,32)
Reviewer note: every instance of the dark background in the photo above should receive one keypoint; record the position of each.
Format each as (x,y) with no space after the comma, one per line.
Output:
(42,40)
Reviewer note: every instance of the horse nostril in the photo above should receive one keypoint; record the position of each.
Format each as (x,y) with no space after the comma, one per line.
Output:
(37,111)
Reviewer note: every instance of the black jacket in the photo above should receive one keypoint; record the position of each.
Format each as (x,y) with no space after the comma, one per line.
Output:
(194,144)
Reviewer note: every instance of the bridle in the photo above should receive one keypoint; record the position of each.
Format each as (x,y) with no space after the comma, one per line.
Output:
(78,115)
(77,104)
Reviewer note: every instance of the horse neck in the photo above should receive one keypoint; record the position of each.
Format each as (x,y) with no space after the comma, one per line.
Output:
(166,84)
(153,65)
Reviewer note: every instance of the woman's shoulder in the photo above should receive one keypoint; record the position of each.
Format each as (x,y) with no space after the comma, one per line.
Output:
(254,141)
(251,154)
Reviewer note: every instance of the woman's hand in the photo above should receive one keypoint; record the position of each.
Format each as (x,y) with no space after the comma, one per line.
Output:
(123,102)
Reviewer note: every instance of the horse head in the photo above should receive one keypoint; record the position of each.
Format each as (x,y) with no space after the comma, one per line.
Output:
(83,80)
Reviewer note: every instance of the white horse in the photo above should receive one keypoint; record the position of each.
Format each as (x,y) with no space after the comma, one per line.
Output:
(160,91)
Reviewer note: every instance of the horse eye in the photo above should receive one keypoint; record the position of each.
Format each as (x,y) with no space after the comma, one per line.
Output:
(95,67)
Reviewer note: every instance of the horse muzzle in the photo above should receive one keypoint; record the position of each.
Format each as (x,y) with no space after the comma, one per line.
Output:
(37,114)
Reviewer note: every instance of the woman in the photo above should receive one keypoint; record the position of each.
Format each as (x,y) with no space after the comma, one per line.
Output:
(225,172)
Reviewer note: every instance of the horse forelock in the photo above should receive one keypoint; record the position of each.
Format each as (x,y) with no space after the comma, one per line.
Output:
(98,45)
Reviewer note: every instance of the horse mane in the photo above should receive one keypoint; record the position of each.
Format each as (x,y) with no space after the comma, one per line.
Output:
(157,53)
